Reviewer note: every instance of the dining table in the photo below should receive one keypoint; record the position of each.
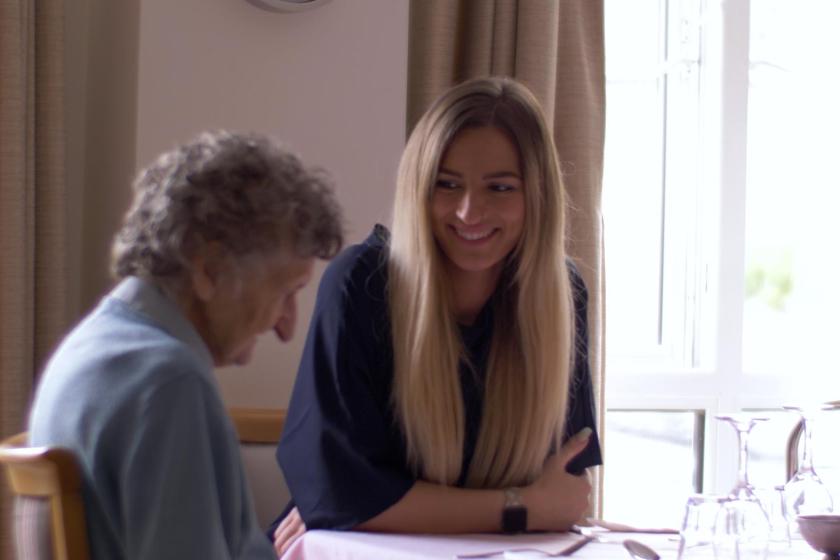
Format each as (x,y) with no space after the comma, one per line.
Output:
(607,545)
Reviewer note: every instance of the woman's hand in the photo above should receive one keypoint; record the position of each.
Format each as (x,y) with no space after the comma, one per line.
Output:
(288,531)
(557,500)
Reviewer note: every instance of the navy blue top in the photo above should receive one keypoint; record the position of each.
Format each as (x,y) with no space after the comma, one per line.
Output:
(342,451)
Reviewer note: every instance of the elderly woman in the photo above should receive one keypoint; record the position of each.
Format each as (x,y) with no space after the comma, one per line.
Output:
(222,234)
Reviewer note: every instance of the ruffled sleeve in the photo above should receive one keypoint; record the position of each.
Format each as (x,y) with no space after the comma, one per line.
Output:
(341,452)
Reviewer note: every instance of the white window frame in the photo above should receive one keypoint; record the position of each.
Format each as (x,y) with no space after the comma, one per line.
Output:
(712,379)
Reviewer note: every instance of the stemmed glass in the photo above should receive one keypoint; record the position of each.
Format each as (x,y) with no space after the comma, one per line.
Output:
(805,493)
(742,528)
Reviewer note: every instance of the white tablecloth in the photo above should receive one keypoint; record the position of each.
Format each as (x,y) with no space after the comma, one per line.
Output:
(340,545)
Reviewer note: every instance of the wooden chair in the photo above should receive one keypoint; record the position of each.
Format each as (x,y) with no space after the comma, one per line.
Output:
(49,511)
(258,425)
(259,430)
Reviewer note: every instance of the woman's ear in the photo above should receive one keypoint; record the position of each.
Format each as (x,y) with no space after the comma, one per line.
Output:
(205,271)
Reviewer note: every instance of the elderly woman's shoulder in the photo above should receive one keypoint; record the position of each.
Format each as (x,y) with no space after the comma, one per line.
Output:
(120,357)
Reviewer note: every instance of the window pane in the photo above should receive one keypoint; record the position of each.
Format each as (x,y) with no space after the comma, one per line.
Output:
(650,180)
(633,171)
(652,465)
(792,298)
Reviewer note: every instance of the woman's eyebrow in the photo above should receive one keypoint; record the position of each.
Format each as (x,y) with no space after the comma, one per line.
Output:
(493,175)
(502,175)
(449,172)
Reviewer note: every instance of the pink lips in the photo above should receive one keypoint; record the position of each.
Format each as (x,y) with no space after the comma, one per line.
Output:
(475,235)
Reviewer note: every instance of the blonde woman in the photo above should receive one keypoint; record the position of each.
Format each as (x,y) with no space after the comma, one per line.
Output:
(444,387)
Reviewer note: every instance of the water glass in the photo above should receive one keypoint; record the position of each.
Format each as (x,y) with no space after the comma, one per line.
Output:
(742,530)
(697,533)
(773,502)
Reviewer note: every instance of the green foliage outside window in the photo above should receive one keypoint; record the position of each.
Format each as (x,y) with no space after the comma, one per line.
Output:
(769,278)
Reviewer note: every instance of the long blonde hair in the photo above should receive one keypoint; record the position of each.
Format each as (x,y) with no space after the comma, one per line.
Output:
(531,355)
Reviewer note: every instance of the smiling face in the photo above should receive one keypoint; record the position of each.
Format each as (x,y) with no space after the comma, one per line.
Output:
(478,203)
(231,314)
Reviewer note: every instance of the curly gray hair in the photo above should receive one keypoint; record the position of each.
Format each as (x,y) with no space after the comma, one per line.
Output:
(241,191)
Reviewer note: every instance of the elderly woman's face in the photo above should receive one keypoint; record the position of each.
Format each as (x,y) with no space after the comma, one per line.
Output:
(265,299)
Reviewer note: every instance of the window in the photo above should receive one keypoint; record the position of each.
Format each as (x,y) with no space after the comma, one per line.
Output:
(719,195)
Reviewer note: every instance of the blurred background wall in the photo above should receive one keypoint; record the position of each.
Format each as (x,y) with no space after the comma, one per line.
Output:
(146,75)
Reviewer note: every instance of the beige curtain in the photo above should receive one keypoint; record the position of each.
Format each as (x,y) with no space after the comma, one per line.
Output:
(555,47)
(32,232)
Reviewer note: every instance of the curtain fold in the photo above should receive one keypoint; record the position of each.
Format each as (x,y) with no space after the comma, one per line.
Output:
(556,48)
(32,205)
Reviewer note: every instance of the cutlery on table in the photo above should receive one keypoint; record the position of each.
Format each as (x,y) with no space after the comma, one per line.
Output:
(527,553)
(639,550)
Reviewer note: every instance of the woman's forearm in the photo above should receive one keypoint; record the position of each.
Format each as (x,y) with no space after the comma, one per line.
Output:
(433,508)
(554,502)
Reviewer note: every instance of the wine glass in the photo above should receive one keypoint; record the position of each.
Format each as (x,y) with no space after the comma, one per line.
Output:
(805,493)
(742,528)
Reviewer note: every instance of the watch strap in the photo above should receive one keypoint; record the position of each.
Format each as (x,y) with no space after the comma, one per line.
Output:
(514,514)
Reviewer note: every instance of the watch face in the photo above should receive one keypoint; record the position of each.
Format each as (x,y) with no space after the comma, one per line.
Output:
(514,519)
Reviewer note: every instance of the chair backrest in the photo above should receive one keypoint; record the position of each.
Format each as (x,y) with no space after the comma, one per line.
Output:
(792,451)
(49,512)
(259,431)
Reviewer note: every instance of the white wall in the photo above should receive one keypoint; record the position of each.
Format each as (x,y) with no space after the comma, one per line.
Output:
(329,82)
(101,106)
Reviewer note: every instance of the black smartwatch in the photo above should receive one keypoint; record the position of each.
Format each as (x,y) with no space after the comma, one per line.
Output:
(515,514)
